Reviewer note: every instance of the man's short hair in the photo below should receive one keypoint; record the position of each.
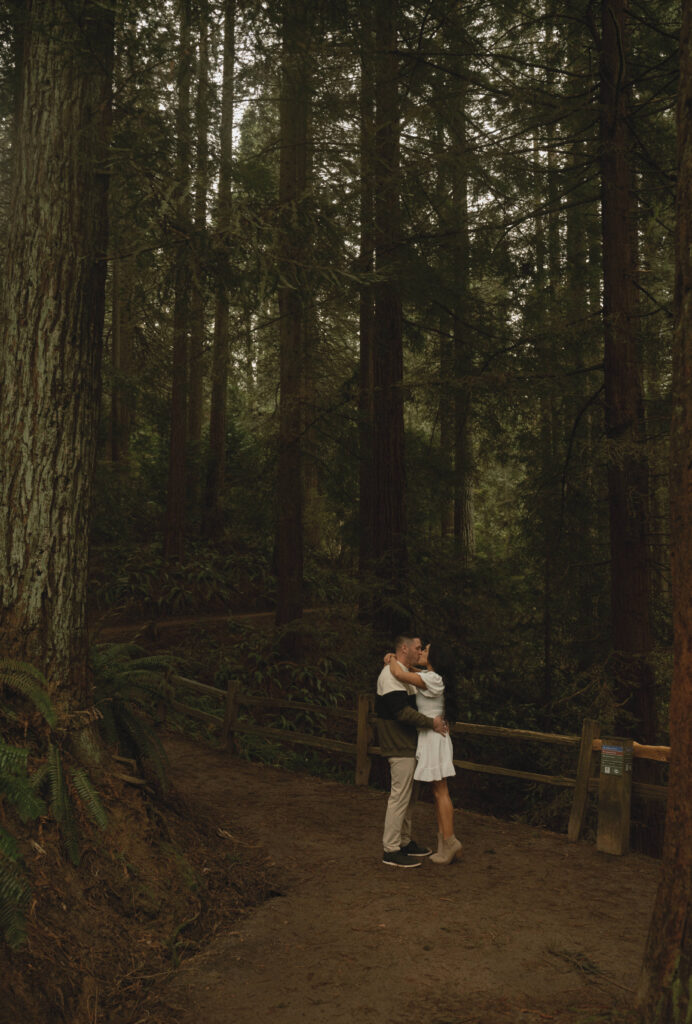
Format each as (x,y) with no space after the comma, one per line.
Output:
(402,641)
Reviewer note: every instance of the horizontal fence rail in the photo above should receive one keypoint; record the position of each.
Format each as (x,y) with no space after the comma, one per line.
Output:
(613,786)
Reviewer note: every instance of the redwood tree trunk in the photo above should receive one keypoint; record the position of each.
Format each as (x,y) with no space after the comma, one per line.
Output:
(219,371)
(463,449)
(197,303)
(174,537)
(627,464)
(389,472)
(122,323)
(293,305)
(666,978)
(366,511)
(51,326)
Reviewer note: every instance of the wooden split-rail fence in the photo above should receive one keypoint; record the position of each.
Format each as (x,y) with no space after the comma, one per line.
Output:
(611,779)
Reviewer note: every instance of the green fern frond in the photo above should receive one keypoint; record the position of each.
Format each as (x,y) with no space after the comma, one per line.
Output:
(127,678)
(108,653)
(8,845)
(20,792)
(87,794)
(60,806)
(15,894)
(38,779)
(27,681)
(13,760)
(144,744)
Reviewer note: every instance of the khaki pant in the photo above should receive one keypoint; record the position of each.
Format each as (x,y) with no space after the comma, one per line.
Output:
(402,796)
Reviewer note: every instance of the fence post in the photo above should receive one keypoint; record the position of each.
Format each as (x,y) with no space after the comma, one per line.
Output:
(363,739)
(230,716)
(590,731)
(614,796)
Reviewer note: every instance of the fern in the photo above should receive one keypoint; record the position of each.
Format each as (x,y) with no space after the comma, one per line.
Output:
(37,780)
(28,682)
(20,792)
(140,739)
(61,806)
(8,845)
(127,679)
(13,760)
(15,892)
(89,797)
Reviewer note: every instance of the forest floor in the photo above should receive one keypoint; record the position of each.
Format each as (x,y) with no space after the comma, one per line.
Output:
(525,928)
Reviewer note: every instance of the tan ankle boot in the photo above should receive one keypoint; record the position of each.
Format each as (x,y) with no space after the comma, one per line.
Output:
(451,850)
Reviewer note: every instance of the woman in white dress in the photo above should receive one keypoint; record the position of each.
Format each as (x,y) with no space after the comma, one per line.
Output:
(435,695)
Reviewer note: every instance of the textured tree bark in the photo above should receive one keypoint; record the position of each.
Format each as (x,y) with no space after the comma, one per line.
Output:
(666,979)
(389,471)
(174,535)
(447,435)
(219,373)
(122,282)
(197,303)
(366,264)
(463,447)
(627,463)
(293,303)
(51,326)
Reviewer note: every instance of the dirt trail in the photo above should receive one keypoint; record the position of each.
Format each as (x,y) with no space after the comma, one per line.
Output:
(527,927)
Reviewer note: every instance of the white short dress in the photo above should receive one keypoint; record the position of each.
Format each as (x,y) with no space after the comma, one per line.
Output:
(434,753)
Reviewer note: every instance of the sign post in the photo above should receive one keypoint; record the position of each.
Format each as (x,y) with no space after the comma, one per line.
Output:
(614,796)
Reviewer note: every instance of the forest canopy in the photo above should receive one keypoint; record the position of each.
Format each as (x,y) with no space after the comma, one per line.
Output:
(386,321)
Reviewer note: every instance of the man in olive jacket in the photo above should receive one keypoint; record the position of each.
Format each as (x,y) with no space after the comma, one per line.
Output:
(398,723)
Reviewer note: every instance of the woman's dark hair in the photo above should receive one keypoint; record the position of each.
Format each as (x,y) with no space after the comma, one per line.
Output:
(441,659)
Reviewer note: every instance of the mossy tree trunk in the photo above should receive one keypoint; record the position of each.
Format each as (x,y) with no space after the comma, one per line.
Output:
(51,327)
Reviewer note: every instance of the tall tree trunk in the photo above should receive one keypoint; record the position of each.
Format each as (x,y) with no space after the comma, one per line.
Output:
(665,986)
(174,538)
(627,464)
(293,303)
(122,321)
(313,518)
(366,510)
(447,422)
(389,471)
(549,411)
(219,372)
(197,303)
(51,326)
(463,449)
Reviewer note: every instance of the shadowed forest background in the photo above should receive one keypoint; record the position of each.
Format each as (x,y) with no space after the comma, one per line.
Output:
(358,309)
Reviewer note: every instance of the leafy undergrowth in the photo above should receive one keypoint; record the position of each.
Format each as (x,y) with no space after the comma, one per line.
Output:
(150,890)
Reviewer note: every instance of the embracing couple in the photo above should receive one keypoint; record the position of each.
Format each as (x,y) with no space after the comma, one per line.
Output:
(415,704)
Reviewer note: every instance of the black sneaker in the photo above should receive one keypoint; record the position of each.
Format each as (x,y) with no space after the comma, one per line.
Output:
(399,859)
(414,850)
